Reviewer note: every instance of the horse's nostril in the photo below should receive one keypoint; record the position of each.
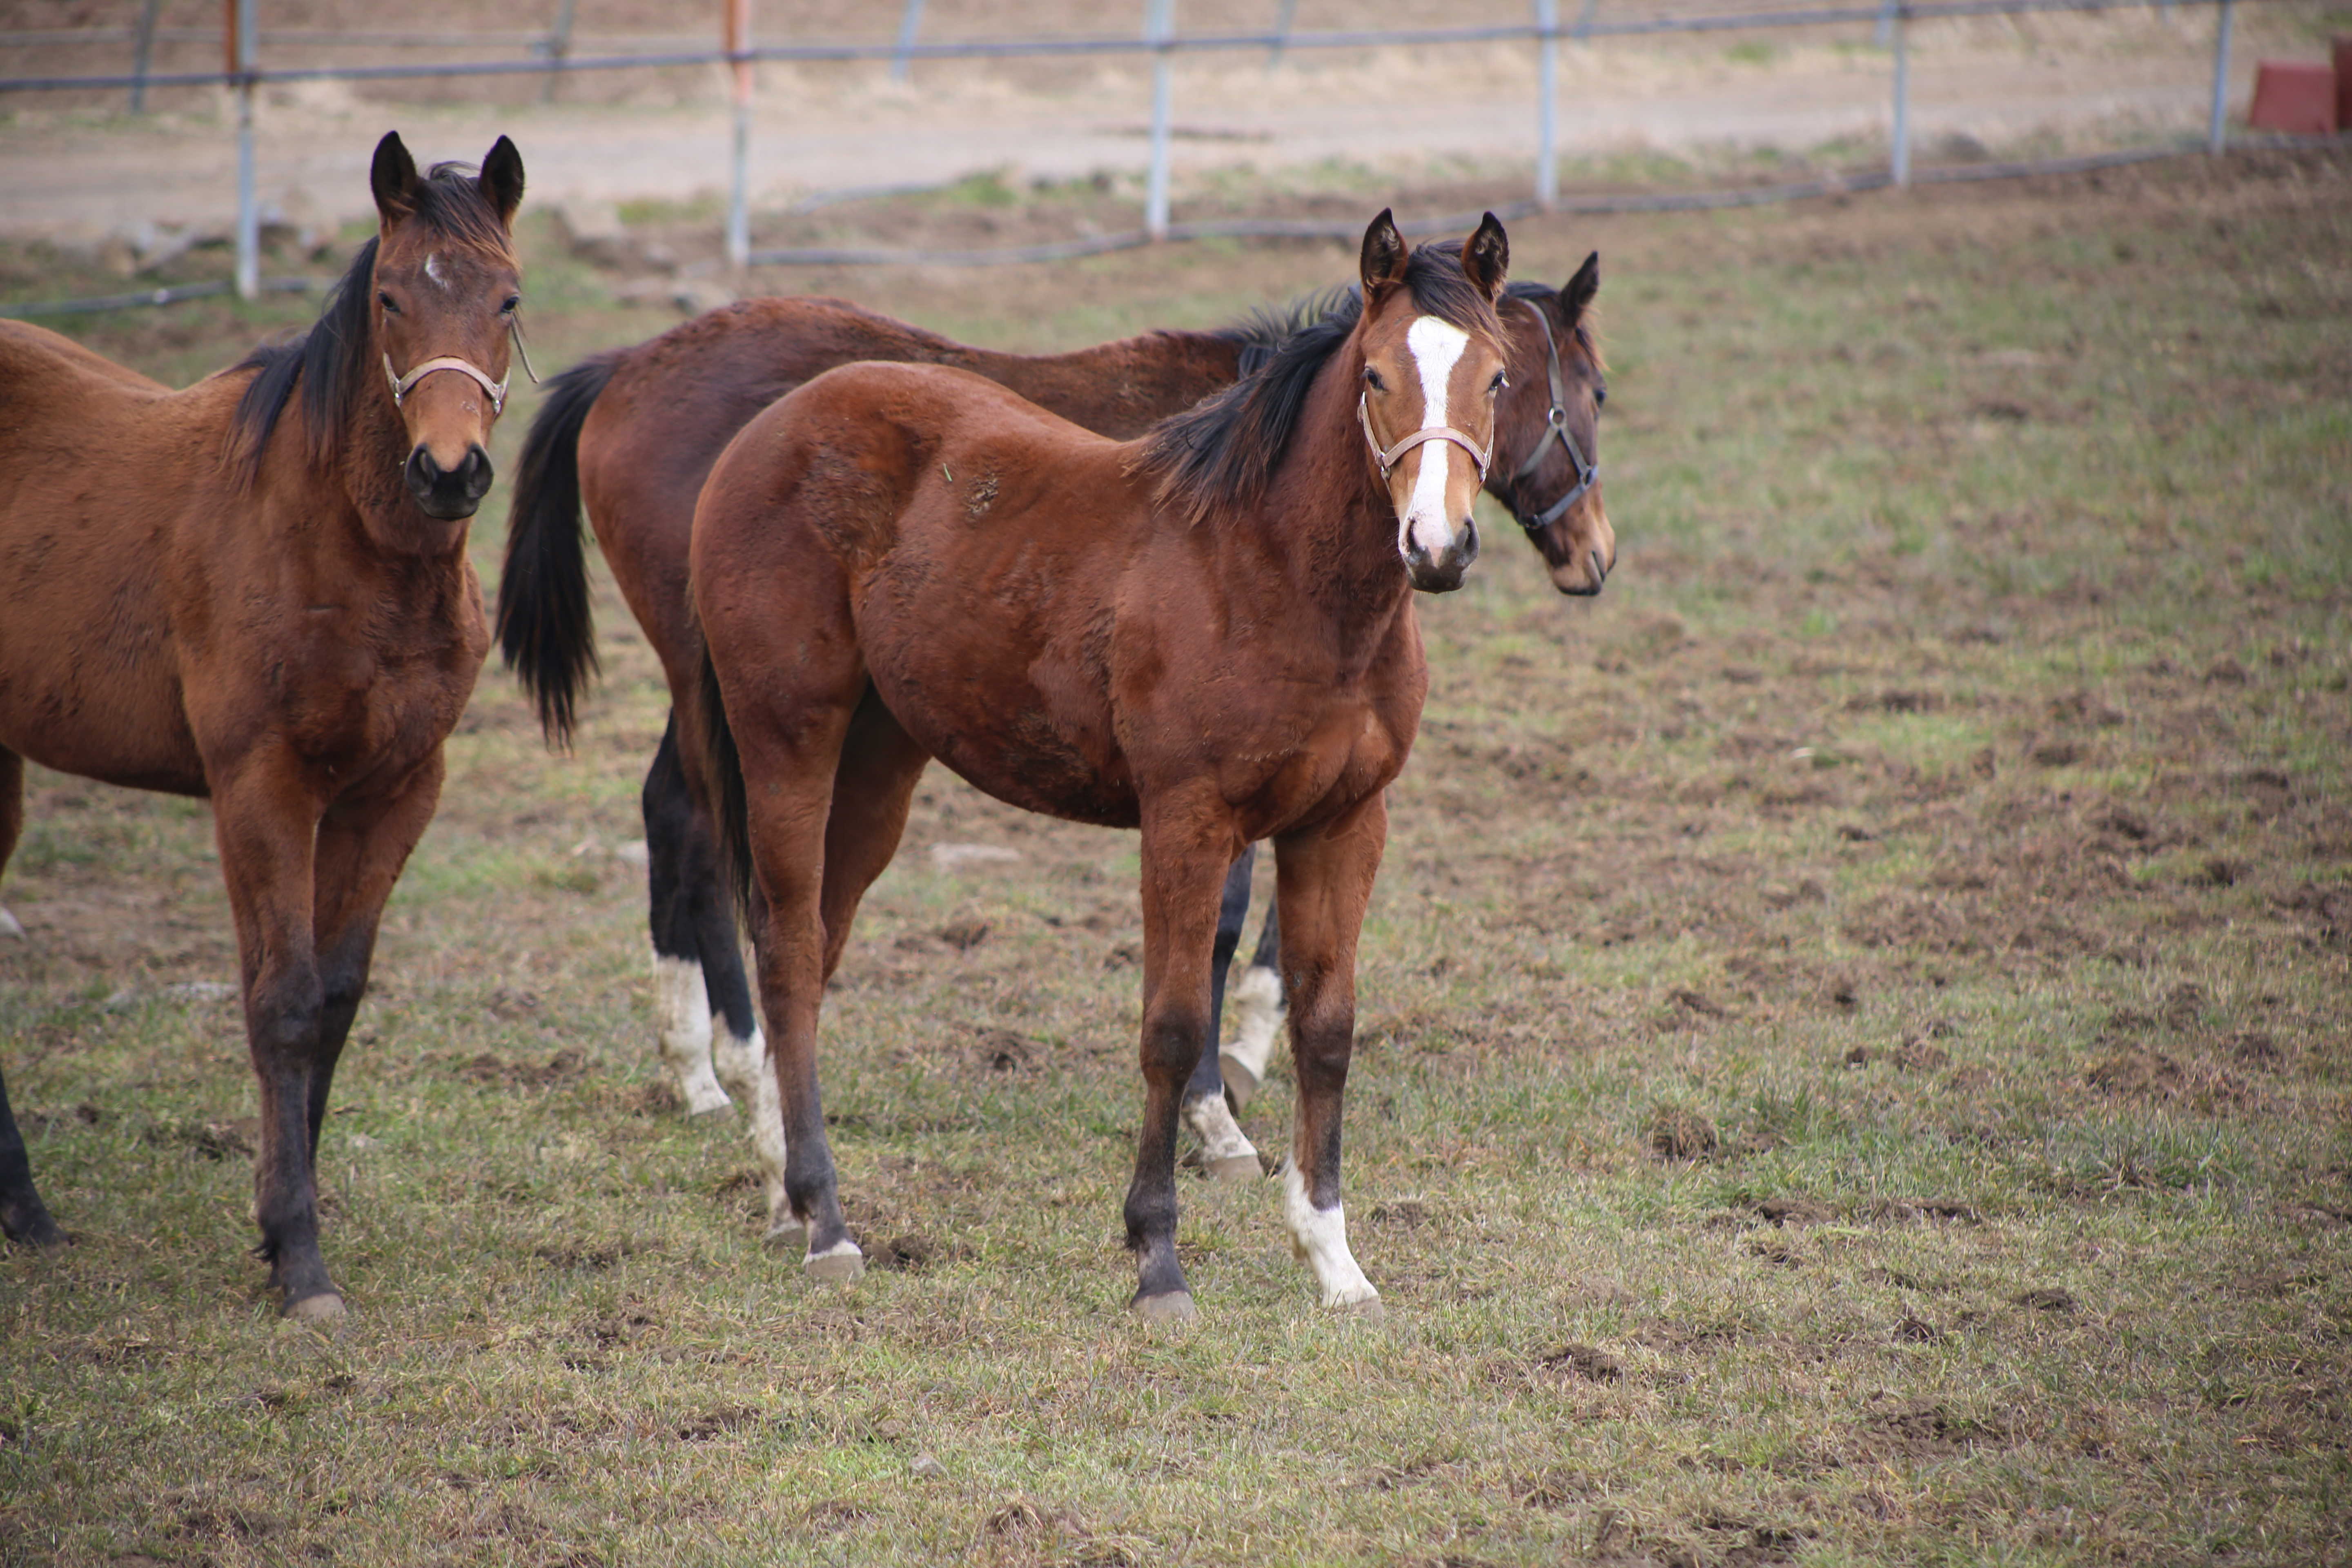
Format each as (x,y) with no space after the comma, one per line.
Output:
(1600,572)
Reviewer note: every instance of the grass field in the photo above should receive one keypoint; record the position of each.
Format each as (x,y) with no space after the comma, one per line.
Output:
(1856,1032)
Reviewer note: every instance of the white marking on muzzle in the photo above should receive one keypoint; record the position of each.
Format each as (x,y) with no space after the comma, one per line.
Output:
(1437,348)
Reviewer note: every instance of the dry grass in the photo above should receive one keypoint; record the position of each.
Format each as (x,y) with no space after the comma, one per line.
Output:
(1855,1049)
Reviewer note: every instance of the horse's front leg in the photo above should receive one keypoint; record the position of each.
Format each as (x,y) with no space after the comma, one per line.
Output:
(266,820)
(1323,882)
(362,849)
(1186,856)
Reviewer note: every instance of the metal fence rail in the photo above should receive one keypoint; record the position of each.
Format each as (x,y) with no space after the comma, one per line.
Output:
(549,55)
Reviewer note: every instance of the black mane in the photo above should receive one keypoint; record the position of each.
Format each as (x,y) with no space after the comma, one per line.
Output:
(1221,453)
(1261,334)
(329,362)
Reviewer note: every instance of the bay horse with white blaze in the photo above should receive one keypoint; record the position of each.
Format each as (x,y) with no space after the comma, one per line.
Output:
(1207,634)
(257,591)
(628,436)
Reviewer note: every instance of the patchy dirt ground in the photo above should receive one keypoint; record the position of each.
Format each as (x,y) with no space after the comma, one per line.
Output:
(1853,1048)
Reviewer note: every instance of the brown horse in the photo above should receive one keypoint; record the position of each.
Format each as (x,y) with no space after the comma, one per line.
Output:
(256,590)
(1207,634)
(633,432)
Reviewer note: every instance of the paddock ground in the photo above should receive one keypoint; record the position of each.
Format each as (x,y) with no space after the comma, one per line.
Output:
(1855,1037)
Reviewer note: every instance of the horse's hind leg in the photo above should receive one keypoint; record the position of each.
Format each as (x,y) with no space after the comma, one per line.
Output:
(1323,881)
(23,1217)
(789,728)
(1226,1153)
(1257,1015)
(681,1001)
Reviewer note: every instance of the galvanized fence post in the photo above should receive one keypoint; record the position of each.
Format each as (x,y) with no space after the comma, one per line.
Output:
(1547,115)
(910,23)
(1159,27)
(144,55)
(2217,133)
(1283,14)
(245,26)
(738,193)
(1901,156)
(557,48)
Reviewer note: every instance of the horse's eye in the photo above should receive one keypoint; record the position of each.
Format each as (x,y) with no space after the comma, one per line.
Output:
(384,300)
(1372,379)
(1600,396)
(508,309)
(1500,382)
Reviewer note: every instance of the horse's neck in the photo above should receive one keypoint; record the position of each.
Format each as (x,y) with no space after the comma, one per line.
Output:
(369,463)
(1119,389)
(1327,524)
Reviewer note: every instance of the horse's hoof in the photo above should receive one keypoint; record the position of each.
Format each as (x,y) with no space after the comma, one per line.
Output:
(790,1235)
(1235,1168)
(323,1308)
(844,1266)
(1241,1084)
(1173,1307)
(713,1115)
(1369,1311)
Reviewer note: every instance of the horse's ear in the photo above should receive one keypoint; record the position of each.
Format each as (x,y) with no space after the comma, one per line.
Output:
(393,179)
(1486,258)
(1383,257)
(501,182)
(1577,291)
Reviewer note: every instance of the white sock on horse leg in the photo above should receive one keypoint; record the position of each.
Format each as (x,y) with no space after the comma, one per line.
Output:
(682,1024)
(1320,1236)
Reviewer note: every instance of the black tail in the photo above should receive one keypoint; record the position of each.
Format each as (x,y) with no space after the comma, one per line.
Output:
(547,629)
(722,780)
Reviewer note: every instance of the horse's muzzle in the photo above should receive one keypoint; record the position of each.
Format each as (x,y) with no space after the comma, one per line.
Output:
(1443,573)
(448,494)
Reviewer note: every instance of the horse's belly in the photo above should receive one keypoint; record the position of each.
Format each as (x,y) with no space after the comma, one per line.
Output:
(130,730)
(1014,746)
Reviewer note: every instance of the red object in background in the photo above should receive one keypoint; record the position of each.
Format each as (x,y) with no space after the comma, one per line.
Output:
(2343,49)
(2294,96)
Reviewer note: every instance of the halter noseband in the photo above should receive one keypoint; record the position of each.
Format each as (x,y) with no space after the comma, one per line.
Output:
(1555,425)
(1387,457)
(402,386)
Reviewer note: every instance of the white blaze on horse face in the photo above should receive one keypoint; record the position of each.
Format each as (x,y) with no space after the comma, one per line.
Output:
(1320,1236)
(433,269)
(1436,347)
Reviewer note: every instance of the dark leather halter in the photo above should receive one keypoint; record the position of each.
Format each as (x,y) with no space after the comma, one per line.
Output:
(1555,425)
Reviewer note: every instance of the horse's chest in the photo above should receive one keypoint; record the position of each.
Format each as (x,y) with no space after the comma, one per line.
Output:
(355,706)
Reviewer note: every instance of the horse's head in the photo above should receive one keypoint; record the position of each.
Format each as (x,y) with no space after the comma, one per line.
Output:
(446,288)
(1433,359)
(1547,451)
